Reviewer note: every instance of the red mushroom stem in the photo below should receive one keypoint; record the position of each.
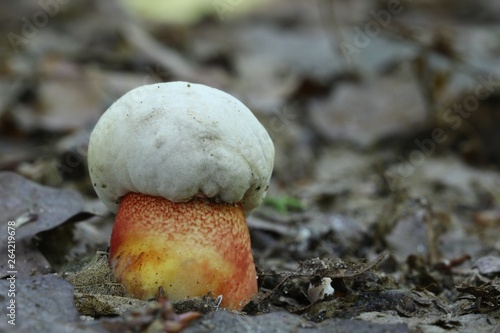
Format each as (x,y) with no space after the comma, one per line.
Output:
(189,249)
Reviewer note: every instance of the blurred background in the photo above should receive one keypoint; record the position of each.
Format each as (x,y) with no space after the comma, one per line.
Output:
(319,75)
(385,114)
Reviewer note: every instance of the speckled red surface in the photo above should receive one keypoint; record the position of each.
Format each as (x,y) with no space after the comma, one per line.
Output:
(189,249)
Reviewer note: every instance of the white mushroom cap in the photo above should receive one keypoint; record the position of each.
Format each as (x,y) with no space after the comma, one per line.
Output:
(180,140)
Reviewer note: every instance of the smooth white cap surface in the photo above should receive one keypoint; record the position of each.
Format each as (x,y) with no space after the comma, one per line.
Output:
(178,140)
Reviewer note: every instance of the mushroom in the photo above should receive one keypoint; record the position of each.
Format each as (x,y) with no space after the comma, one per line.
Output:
(181,165)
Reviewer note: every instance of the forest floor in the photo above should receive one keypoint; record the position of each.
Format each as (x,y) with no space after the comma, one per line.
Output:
(385,117)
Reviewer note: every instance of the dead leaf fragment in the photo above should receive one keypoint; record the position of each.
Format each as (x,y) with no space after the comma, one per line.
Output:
(488,265)
(42,304)
(32,208)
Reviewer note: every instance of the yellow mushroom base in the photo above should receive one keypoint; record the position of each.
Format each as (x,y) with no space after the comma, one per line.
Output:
(189,249)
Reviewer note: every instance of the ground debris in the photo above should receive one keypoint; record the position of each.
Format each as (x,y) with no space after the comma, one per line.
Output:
(290,288)
(95,278)
(486,295)
(157,317)
(338,268)
(282,322)
(97,293)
